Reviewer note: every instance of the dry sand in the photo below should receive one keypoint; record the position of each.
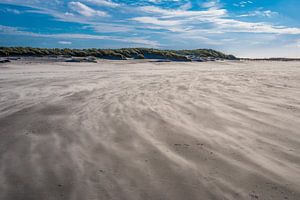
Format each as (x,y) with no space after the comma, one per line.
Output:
(132,130)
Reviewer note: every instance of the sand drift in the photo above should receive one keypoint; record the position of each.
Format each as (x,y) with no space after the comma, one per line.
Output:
(141,130)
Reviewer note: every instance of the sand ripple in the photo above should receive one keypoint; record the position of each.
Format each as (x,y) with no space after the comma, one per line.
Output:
(141,130)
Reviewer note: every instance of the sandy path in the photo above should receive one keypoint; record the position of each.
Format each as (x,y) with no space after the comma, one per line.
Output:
(140,130)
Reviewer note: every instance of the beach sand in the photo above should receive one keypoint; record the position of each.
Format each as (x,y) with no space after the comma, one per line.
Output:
(139,130)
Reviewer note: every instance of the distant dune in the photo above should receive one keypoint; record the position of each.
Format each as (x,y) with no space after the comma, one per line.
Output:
(120,54)
(270,59)
(139,130)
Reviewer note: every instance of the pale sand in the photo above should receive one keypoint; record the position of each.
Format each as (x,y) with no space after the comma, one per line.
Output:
(140,130)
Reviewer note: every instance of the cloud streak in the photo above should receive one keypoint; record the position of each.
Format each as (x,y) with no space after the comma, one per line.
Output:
(64,42)
(7,30)
(103,3)
(219,21)
(85,10)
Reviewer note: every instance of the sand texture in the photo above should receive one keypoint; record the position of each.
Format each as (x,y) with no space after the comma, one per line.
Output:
(140,130)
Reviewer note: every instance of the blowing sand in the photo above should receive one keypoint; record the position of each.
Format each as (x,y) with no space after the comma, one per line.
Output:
(132,130)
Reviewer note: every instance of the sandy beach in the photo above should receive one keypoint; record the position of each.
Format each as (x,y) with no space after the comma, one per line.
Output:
(142,130)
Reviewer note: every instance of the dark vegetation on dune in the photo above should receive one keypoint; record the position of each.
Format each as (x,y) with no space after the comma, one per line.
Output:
(119,54)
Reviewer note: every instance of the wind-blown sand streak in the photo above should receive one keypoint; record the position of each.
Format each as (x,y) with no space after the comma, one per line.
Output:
(142,130)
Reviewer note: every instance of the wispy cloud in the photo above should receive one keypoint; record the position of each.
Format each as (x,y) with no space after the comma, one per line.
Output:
(260,13)
(9,10)
(243,4)
(109,28)
(103,3)
(65,42)
(211,4)
(155,21)
(220,22)
(85,10)
(231,25)
(179,13)
(7,30)
(214,19)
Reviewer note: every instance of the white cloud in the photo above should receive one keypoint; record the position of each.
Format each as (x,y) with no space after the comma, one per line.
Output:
(192,22)
(186,6)
(211,4)
(231,25)
(260,13)
(155,21)
(65,42)
(103,3)
(85,10)
(9,10)
(243,4)
(155,1)
(67,14)
(159,1)
(109,28)
(183,13)
(7,30)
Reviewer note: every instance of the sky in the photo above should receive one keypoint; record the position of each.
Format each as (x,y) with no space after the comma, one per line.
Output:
(254,28)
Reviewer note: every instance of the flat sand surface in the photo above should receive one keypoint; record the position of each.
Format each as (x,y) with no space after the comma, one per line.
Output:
(139,130)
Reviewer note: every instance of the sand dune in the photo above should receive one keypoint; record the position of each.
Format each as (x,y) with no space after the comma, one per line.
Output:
(143,130)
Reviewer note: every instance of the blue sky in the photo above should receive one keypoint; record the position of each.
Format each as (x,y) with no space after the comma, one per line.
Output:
(254,28)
